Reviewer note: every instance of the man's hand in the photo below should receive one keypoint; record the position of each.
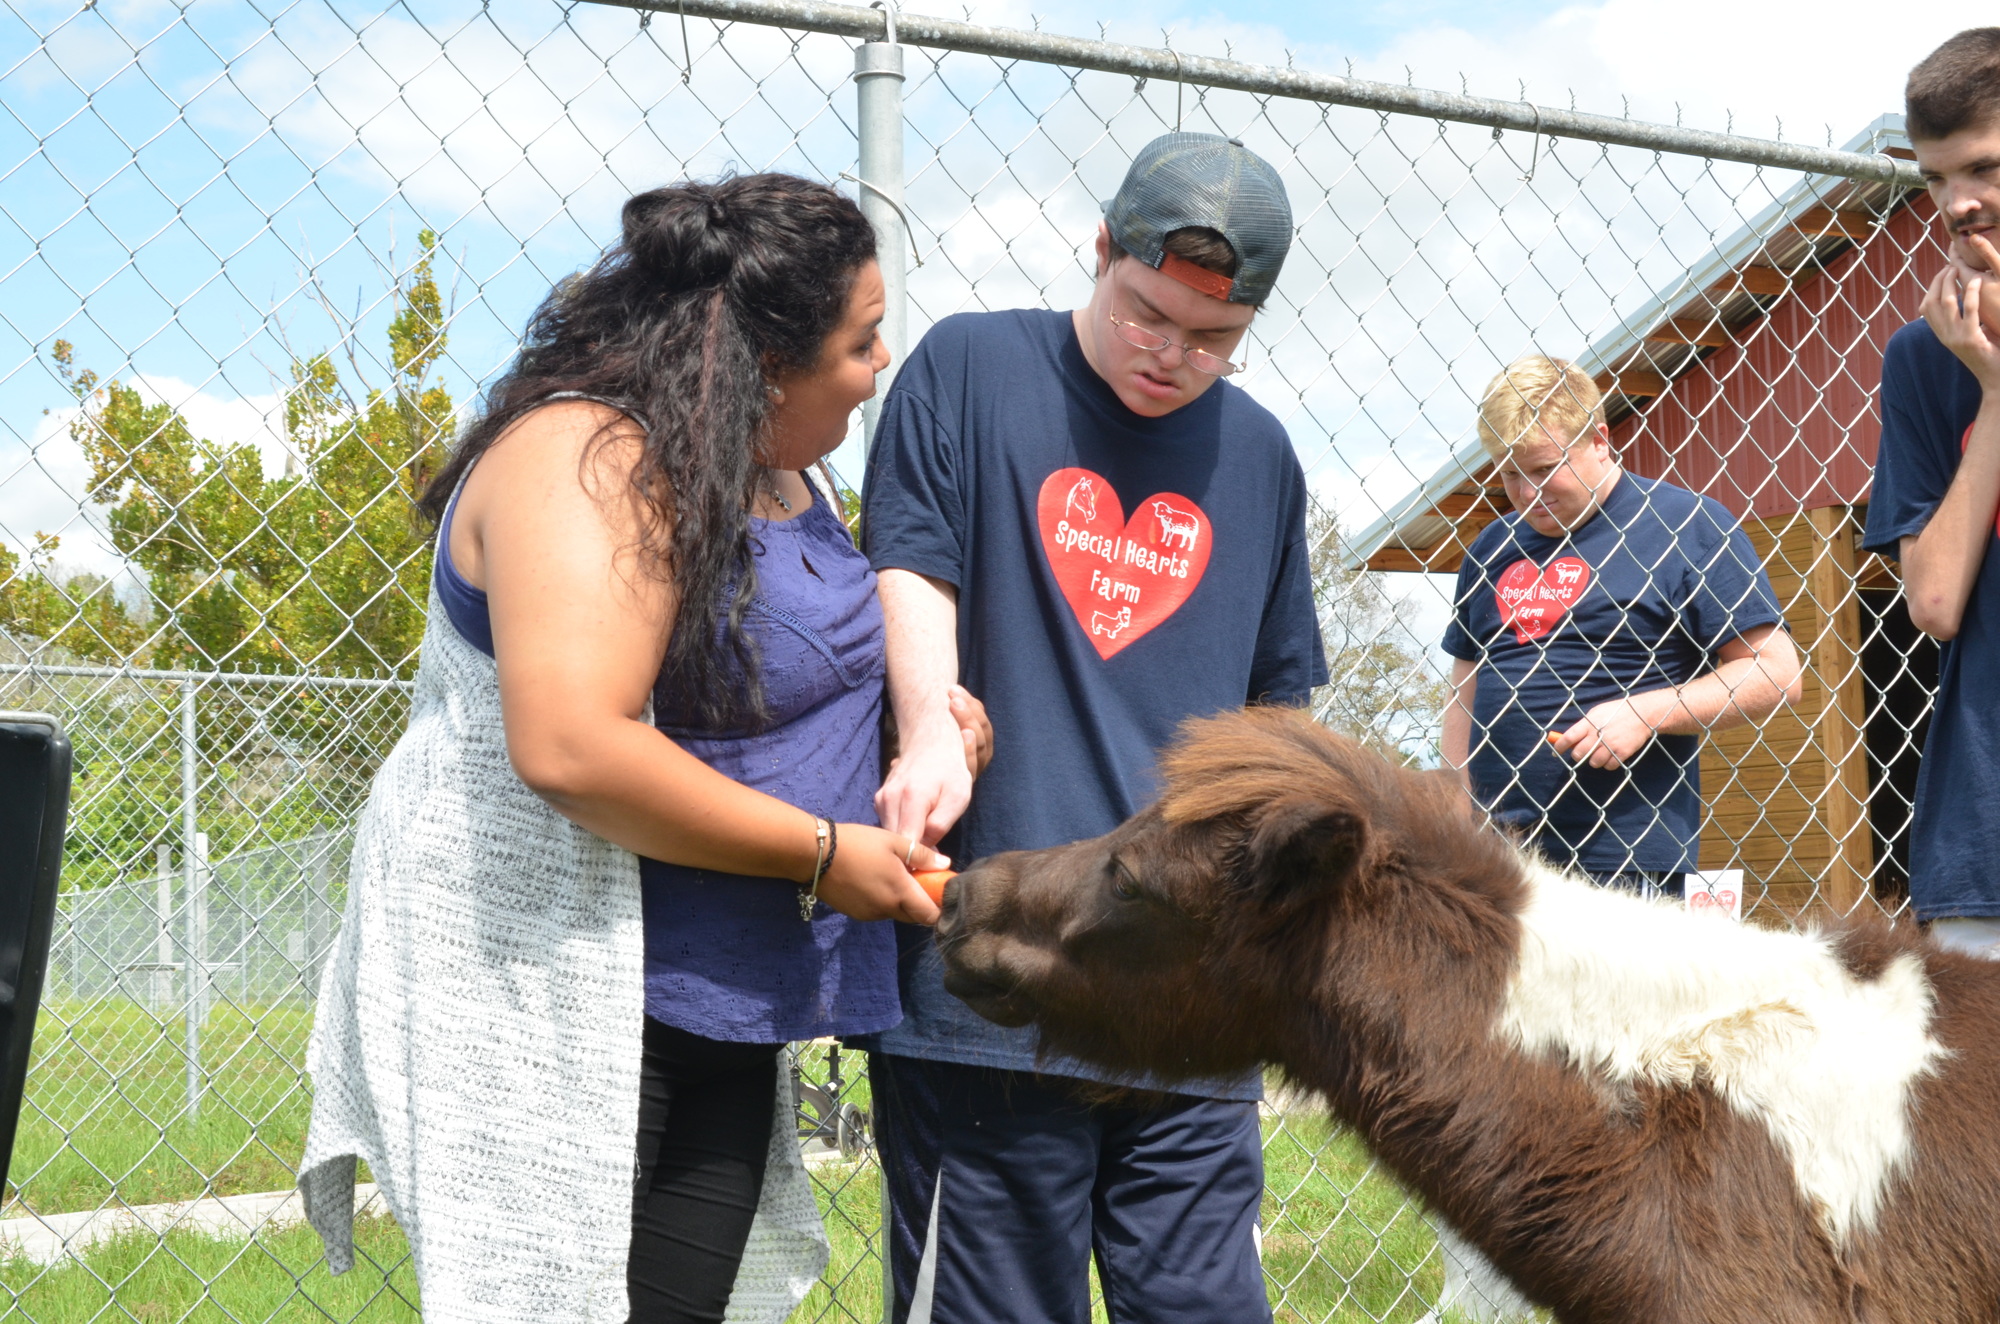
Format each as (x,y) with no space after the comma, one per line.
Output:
(1963,308)
(1941,562)
(1755,674)
(910,794)
(1456,745)
(942,730)
(1609,735)
(1967,269)
(929,784)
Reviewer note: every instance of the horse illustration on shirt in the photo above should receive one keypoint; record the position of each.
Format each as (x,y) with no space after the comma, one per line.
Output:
(1082,499)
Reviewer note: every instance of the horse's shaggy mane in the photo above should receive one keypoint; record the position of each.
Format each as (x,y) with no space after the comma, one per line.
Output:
(1415,827)
(1239,762)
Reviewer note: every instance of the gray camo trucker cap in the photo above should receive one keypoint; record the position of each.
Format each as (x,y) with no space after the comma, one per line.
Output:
(1203,179)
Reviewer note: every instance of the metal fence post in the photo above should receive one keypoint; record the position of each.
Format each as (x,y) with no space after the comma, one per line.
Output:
(878,93)
(163,943)
(194,868)
(319,911)
(878,90)
(198,972)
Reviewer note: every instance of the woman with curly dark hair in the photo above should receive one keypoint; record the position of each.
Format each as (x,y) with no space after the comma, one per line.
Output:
(627,850)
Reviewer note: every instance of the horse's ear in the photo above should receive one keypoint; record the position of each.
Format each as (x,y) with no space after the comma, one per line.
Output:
(1301,842)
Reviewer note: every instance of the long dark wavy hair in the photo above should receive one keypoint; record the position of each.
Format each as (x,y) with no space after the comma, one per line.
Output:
(715,290)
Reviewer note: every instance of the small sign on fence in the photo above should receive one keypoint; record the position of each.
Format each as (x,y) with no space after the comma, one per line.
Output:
(1715,891)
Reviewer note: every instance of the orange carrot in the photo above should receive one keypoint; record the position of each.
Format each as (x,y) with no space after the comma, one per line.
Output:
(933,881)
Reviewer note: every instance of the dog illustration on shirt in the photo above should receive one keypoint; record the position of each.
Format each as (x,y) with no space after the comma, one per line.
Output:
(1110,624)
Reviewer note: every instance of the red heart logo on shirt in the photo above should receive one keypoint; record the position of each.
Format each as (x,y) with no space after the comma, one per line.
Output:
(1533,600)
(1120,577)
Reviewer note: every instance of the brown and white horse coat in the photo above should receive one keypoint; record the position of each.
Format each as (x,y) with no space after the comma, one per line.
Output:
(1638,1113)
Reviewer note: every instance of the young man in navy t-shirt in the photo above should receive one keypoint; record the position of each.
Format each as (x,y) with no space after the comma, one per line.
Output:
(1599,630)
(1073,514)
(1937,487)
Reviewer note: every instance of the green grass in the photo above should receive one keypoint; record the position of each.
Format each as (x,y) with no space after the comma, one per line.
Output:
(1342,1241)
(1343,1244)
(278,1277)
(105,1107)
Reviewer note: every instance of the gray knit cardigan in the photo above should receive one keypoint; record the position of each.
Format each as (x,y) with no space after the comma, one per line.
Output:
(478,1037)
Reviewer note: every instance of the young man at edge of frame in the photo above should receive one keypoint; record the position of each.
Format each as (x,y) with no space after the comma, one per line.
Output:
(1936,495)
(1073,513)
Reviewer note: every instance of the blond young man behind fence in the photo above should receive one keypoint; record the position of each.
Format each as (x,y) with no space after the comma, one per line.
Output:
(1598,631)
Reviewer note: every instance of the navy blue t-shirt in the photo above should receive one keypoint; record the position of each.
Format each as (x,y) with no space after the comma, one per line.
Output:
(1640,598)
(1929,400)
(1116,575)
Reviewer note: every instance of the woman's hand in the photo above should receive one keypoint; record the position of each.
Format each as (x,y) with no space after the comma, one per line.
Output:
(870,877)
(973,729)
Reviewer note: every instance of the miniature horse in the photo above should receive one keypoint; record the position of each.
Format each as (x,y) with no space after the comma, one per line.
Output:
(1637,1113)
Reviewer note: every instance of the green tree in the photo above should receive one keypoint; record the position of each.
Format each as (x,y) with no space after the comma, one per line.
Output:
(79,614)
(1382,689)
(321,567)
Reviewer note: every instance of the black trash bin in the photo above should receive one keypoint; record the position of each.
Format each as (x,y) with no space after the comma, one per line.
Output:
(34,804)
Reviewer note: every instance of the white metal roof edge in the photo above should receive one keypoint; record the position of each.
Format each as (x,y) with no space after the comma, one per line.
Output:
(1886,130)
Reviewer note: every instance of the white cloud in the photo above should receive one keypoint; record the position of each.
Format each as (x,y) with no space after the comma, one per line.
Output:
(1759,64)
(41,483)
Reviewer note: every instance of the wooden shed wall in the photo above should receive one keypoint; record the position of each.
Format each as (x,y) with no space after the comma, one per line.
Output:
(1783,419)
(1787,799)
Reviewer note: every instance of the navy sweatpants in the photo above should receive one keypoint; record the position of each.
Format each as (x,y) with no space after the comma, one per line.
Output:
(1002,1184)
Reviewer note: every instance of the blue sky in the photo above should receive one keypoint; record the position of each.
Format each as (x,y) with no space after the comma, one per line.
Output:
(196,248)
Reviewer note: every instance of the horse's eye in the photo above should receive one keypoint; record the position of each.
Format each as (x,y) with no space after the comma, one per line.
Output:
(1123,885)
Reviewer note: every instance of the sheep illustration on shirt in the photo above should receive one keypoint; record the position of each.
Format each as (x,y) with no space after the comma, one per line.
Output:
(1176,524)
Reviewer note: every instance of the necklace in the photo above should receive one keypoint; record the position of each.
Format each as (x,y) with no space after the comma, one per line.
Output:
(771,485)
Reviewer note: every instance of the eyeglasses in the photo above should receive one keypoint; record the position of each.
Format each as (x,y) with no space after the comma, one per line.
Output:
(1199,359)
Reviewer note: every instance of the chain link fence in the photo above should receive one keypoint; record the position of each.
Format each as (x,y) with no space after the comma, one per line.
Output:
(256,262)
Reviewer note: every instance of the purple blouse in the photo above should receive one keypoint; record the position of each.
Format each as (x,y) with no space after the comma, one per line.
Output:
(727,956)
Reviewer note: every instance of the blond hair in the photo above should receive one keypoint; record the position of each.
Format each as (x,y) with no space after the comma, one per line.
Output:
(1535,393)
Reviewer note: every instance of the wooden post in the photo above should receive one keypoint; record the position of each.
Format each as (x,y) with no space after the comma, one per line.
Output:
(1840,726)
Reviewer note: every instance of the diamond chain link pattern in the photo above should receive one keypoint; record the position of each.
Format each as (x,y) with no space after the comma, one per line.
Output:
(257,261)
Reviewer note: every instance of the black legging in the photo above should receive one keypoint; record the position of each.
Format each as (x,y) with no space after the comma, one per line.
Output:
(704,1133)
